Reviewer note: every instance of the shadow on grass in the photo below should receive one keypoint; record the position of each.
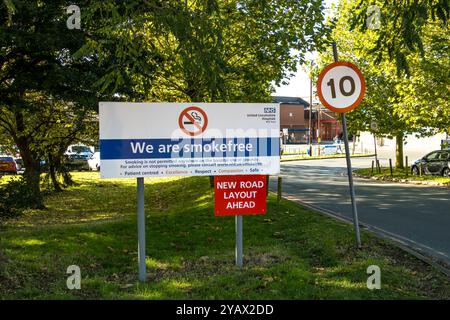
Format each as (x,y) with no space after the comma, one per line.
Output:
(98,200)
(290,253)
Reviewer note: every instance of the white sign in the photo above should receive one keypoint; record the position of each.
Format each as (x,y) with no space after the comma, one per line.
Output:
(188,139)
(341,86)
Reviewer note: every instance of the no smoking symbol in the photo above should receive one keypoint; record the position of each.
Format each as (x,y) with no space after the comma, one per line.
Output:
(193,121)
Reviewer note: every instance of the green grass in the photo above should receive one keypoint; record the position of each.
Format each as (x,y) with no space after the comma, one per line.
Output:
(401,174)
(299,153)
(332,156)
(290,253)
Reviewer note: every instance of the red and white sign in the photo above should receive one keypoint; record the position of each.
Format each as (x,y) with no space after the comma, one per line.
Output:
(193,121)
(341,86)
(240,195)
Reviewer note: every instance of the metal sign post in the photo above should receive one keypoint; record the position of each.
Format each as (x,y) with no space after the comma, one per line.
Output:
(375,145)
(350,181)
(239,242)
(374,127)
(237,196)
(310,112)
(349,167)
(141,229)
(341,87)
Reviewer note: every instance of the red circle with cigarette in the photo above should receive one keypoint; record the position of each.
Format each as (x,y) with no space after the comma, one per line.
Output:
(193,121)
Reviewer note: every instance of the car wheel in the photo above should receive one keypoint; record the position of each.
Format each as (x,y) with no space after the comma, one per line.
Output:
(415,171)
(446,172)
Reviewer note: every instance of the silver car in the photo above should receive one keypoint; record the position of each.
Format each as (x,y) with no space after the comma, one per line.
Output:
(434,163)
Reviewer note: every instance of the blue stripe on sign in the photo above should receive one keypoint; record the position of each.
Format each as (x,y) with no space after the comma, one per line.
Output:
(111,149)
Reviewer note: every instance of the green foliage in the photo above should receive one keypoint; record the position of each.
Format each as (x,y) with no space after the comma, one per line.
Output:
(10,8)
(15,195)
(418,103)
(120,45)
(36,55)
(200,50)
(415,102)
(402,28)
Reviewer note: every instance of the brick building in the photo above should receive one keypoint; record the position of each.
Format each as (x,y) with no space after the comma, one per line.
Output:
(294,121)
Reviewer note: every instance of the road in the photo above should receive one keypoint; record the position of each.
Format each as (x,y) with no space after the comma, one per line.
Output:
(416,215)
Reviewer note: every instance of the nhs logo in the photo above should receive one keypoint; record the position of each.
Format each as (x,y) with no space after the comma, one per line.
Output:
(270,110)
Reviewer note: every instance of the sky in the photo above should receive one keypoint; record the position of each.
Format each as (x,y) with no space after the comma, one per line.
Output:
(299,84)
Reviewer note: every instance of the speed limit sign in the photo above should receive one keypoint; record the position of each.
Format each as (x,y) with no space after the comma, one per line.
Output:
(374,126)
(341,86)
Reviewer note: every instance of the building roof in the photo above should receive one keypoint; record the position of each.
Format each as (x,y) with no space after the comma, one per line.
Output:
(289,100)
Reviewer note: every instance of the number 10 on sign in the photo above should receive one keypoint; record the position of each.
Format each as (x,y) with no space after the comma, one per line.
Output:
(341,86)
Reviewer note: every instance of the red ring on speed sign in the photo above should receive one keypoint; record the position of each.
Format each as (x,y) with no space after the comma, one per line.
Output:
(329,68)
(186,117)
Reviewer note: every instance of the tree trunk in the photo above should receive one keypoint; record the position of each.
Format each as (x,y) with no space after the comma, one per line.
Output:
(61,166)
(399,151)
(32,173)
(53,165)
(32,176)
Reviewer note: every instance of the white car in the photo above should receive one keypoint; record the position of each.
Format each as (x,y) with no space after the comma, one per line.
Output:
(94,161)
(77,157)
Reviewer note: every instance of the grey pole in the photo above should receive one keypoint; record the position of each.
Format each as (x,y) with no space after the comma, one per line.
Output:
(375,144)
(239,245)
(349,167)
(141,229)
(350,181)
(310,110)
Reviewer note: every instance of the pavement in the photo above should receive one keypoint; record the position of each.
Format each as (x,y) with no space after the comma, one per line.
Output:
(416,215)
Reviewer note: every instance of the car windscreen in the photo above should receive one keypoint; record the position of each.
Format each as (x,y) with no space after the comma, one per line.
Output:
(432,156)
(80,149)
(444,156)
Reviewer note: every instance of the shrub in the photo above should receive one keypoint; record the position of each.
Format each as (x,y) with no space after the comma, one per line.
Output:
(15,196)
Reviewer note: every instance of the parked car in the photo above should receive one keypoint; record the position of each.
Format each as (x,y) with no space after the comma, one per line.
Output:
(19,164)
(7,165)
(78,156)
(434,163)
(94,161)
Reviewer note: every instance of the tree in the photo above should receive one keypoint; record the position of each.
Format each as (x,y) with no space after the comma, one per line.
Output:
(194,50)
(402,26)
(250,47)
(212,50)
(66,124)
(209,50)
(417,103)
(10,8)
(36,60)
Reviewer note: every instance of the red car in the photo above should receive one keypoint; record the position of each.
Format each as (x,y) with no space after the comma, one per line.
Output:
(7,165)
